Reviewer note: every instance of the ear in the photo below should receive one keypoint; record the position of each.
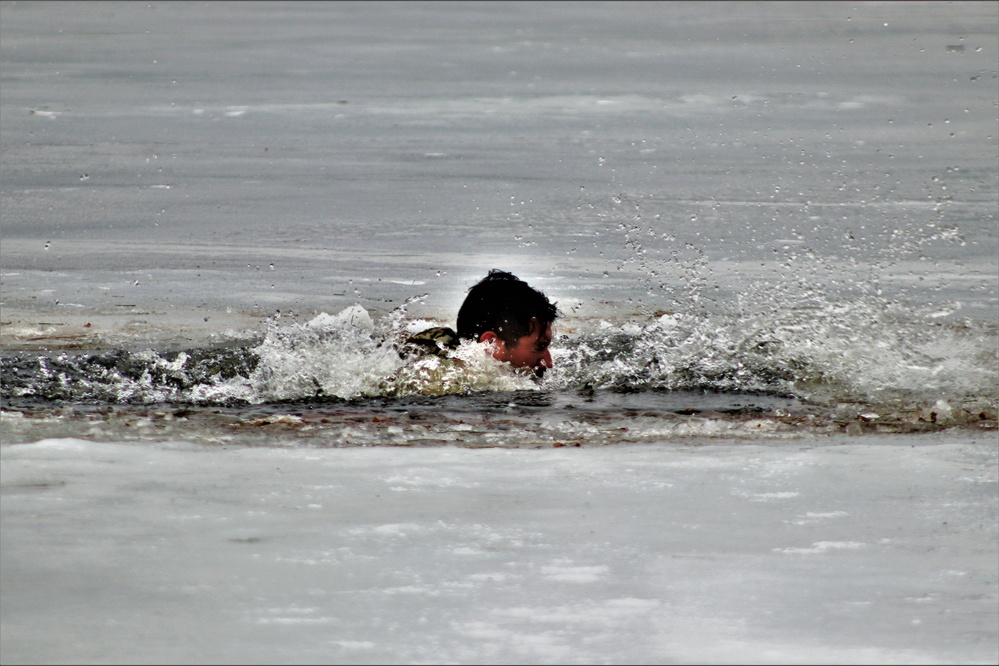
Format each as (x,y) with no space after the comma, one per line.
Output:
(490,337)
(496,342)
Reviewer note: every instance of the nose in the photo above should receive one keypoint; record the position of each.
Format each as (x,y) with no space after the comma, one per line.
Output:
(543,364)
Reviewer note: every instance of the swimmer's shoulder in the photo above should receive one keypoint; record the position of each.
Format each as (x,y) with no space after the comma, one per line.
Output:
(438,340)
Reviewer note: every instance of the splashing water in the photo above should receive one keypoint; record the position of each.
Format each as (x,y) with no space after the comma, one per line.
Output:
(844,367)
(841,353)
(808,329)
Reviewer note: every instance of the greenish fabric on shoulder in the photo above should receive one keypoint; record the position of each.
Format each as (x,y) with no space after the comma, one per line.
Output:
(437,341)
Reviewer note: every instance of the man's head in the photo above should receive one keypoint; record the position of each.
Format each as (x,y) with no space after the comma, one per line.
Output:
(517,319)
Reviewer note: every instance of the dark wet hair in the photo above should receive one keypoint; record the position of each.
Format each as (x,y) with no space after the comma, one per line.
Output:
(503,303)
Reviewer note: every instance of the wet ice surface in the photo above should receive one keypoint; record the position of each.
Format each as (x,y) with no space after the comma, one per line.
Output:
(840,550)
(626,161)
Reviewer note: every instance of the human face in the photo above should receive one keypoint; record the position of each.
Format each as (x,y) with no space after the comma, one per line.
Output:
(531,351)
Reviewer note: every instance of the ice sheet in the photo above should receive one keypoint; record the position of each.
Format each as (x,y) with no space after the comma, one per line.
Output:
(809,551)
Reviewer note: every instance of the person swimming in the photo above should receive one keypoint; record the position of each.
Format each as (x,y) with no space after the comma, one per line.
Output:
(505,312)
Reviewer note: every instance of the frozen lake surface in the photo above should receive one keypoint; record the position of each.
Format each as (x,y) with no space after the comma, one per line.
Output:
(770,432)
(839,550)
